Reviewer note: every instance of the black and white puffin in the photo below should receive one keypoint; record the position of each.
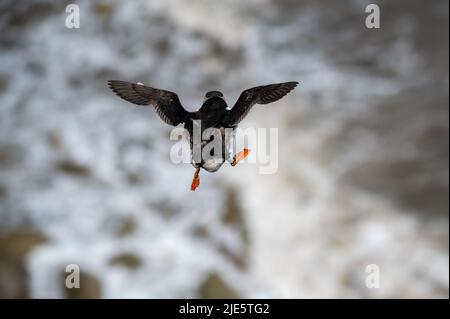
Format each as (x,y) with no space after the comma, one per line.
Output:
(213,114)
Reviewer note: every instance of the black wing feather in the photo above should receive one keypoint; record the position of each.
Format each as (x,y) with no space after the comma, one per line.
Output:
(166,103)
(264,94)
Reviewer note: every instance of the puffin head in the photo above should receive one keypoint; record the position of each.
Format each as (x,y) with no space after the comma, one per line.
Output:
(211,94)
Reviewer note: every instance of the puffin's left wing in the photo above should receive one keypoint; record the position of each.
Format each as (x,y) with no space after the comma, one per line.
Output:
(264,94)
(166,103)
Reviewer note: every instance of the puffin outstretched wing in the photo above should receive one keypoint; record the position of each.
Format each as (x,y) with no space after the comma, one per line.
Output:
(264,94)
(166,103)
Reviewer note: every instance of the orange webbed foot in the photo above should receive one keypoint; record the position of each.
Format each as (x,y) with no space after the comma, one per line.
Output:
(196,179)
(240,156)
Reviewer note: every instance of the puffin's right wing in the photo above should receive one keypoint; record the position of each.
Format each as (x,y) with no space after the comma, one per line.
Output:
(264,94)
(166,103)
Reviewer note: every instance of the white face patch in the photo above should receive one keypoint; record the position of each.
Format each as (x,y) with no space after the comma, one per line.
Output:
(139,83)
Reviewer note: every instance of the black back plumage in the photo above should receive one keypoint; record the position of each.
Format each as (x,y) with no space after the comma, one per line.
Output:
(212,112)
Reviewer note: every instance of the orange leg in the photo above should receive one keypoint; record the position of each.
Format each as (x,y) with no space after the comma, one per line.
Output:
(240,156)
(196,179)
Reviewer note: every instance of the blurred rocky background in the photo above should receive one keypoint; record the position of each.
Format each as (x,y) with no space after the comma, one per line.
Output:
(363,176)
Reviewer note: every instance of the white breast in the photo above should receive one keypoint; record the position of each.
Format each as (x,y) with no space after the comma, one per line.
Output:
(213,164)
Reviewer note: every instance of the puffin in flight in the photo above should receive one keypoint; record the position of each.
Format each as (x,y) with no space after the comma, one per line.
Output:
(212,115)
